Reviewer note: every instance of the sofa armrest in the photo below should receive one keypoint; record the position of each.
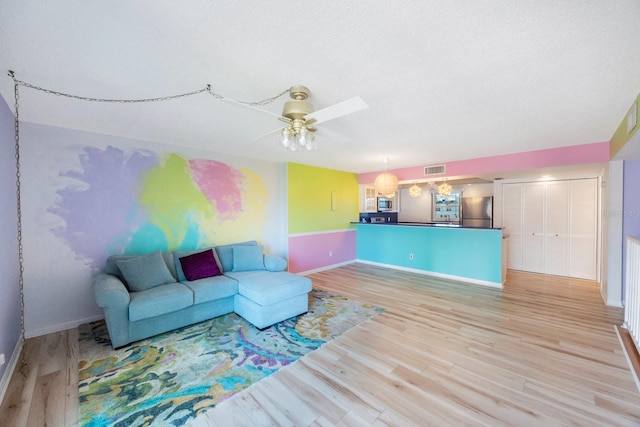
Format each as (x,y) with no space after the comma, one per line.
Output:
(274,263)
(110,291)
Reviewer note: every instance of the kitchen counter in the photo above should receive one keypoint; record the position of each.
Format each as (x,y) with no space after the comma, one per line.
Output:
(426,224)
(450,251)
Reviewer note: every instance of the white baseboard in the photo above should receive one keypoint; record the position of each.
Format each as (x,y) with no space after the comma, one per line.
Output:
(62,326)
(614,303)
(326,267)
(626,355)
(11,367)
(434,274)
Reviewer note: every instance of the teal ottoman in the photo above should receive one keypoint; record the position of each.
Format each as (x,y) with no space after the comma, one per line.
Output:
(265,298)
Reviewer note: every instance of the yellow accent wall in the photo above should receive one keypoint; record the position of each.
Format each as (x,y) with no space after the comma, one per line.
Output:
(320,199)
(621,137)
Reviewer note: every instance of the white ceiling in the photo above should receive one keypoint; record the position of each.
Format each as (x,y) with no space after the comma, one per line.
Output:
(444,80)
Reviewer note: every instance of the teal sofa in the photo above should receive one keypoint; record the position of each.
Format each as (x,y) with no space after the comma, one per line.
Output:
(145,295)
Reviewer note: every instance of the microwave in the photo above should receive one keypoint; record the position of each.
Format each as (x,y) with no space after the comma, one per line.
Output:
(385,204)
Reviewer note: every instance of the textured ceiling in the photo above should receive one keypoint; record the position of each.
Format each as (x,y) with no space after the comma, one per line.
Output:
(444,80)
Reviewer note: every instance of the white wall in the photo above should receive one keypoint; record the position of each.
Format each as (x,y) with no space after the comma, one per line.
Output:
(477,190)
(415,209)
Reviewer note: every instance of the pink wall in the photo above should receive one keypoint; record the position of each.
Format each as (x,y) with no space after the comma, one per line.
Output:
(562,156)
(311,251)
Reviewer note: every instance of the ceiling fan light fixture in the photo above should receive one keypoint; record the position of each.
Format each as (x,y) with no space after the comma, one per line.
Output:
(286,137)
(300,117)
(298,135)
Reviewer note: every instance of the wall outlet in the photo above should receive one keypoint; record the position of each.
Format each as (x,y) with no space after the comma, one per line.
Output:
(1,359)
(410,256)
(330,254)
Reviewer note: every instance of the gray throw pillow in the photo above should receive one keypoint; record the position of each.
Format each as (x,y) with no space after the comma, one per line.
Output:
(145,271)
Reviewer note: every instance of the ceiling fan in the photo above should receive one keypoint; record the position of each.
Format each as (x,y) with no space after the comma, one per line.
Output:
(301,119)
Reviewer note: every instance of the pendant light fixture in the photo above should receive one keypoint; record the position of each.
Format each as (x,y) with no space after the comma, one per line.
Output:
(414,190)
(386,183)
(444,189)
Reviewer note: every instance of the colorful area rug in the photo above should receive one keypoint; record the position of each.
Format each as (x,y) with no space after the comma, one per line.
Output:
(172,378)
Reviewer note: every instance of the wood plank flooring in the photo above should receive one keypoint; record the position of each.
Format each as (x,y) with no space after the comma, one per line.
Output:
(542,351)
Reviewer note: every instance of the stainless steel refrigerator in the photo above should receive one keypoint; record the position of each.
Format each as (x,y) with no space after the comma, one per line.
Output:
(477,212)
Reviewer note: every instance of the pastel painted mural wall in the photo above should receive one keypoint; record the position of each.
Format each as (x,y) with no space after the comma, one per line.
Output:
(321,205)
(88,196)
(9,266)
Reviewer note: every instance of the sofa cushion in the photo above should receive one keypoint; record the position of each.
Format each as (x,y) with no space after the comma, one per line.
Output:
(183,253)
(200,265)
(112,268)
(225,254)
(212,288)
(145,271)
(274,263)
(159,300)
(265,287)
(247,258)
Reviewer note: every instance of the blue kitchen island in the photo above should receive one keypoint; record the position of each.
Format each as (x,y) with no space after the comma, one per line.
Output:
(473,255)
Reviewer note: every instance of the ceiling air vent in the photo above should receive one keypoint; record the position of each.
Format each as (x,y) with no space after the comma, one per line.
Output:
(434,170)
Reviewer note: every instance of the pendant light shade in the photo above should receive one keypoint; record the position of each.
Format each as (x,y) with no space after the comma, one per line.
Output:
(444,189)
(386,184)
(414,190)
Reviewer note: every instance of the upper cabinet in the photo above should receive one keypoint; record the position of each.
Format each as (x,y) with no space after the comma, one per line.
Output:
(369,199)
(446,208)
(369,202)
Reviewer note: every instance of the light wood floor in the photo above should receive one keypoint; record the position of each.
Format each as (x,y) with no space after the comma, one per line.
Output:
(542,351)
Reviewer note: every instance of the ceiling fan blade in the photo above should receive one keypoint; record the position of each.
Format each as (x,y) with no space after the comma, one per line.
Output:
(264,135)
(242,104)
(340,109)
(327,134)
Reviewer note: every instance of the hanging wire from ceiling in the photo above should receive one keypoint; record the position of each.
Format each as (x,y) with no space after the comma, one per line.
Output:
(24,368)
(207,89)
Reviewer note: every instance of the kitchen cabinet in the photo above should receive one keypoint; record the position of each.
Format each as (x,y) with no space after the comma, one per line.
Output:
(446,208)
(396,201)
(370,199)
(552,227)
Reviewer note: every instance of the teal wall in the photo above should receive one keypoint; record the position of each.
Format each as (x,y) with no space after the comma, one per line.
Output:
(463,252)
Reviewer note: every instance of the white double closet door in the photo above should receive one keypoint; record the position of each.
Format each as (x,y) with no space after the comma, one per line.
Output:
(552,227)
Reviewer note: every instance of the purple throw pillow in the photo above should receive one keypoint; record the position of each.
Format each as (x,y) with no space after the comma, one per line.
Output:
(200,265)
